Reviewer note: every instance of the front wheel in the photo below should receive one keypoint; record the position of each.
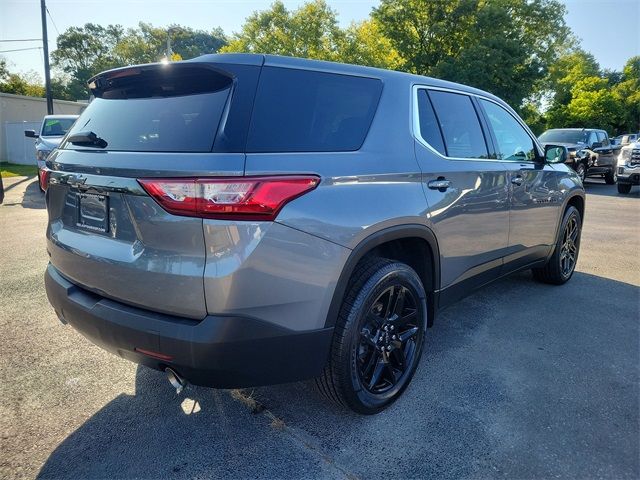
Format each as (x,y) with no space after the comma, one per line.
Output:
(378,337)
(624,187)
(562,263)
(581,170)
(611,177)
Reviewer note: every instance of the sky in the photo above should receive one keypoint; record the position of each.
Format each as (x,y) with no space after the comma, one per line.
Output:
(609,29)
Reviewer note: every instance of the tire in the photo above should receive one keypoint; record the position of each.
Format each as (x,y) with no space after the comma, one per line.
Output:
(555,271)
(581,170)
(624,188)
(611,177)
(361,330)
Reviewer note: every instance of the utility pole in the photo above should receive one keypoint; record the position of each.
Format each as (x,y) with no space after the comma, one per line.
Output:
(168,53)
(45,44)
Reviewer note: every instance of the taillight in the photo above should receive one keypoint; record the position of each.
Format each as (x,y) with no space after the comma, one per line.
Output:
(234,198)
(43,177)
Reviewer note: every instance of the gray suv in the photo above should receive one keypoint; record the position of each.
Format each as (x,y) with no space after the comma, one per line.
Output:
(242,220)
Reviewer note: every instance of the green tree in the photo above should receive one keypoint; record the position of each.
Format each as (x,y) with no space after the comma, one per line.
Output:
(533,116)
(573,66)
(312,31)
(85,51)
(593,104)
(628,93)
(502,46)
(363,44)
(28,84)
(147,43)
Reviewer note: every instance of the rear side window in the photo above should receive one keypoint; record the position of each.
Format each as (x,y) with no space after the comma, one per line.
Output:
(429,128)
(157,110)
(305,111)
(459,124)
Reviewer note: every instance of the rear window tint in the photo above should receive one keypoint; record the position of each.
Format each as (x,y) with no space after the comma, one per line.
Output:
(459,124)
(157,111)
(304,111)
(429,128)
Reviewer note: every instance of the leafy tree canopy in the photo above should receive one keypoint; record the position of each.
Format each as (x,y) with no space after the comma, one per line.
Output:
(85,51)
(503,46)
(520,50)
(312,31)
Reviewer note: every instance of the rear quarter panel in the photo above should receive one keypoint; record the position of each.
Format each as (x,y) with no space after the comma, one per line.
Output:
(361,192)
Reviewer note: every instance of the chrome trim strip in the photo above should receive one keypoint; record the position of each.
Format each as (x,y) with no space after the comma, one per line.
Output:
(416,125)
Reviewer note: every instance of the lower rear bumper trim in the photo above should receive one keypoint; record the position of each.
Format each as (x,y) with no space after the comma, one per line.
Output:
(218,351)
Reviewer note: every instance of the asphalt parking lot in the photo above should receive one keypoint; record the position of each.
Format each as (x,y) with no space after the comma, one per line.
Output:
(520,380)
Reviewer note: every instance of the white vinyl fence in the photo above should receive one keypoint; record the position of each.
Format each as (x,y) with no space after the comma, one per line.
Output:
(21,149)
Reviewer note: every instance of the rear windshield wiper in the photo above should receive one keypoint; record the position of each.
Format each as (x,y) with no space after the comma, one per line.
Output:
(87,139)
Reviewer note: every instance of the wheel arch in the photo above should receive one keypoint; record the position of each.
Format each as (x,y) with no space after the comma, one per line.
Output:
(576,201)
(401,243)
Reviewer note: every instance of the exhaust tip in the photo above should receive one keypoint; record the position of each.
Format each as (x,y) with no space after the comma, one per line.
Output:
(175,380)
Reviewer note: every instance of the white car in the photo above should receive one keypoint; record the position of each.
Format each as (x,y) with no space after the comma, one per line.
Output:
(52,130)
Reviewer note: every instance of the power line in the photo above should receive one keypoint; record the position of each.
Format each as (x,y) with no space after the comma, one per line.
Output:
(23,39)
(54,23)
(20,49)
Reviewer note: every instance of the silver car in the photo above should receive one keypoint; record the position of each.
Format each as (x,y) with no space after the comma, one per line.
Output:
(242,220)
(52,130)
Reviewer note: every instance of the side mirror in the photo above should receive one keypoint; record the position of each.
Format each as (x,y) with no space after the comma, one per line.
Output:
(31,134)
(555,154)
(596,145)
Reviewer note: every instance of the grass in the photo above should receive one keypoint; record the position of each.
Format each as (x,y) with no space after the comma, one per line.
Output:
(15,170)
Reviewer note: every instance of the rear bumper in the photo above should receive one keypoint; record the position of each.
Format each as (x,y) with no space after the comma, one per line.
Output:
(218,351)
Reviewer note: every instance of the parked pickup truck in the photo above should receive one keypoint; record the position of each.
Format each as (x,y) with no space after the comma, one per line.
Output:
(629,167)
(591,153)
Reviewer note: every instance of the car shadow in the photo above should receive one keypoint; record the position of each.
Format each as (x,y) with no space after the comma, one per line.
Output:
(502,383)
(33,196)
(598,187)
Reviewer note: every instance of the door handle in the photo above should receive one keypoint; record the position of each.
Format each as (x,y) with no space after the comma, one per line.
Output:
(517,180)
(440,184)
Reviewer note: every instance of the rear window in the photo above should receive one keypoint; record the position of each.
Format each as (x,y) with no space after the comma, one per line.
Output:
(159,109)
(304,111)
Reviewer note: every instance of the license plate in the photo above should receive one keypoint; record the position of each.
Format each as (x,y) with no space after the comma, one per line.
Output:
(93,212)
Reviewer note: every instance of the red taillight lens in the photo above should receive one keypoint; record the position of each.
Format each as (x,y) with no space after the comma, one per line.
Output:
(240,198)
(43,177)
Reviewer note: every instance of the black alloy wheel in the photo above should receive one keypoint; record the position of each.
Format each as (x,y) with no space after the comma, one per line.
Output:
(388,334)
(562,263)
(569,247)
(378,337)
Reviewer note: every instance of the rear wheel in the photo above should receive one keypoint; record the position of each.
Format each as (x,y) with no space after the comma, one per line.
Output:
(624,187)
(378,337)
(611,177)
(562,263)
